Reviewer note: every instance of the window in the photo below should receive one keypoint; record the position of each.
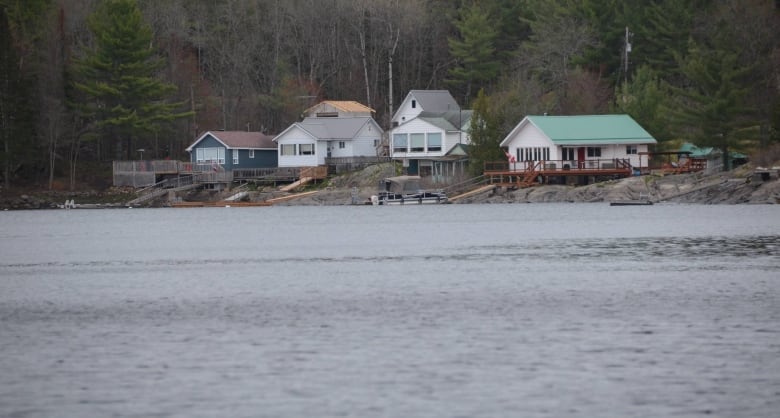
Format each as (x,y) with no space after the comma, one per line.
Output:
(399,142)
(417,142)
(594,152)
(434,142)
(210,155)
(307,149)
(251,153)
(631,149)
(533,154)
(235,156)
(288,149)
(568,154)
(376,143)
(342,144)
(414,104)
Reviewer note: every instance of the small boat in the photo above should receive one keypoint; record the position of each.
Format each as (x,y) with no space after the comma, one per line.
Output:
(405,190)
(632,203)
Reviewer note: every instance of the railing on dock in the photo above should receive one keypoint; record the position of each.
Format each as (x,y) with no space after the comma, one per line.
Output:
(559,165)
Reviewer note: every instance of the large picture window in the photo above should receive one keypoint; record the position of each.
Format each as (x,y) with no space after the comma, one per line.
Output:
(307,149)
(417,142)
(399,142)
(434,142)
(210,155)
(288,149)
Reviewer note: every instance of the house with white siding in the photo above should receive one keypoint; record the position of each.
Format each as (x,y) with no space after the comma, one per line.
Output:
(330,129)
(430,134)
(577,142)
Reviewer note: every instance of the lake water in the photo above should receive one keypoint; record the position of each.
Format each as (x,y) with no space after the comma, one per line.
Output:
(540,310)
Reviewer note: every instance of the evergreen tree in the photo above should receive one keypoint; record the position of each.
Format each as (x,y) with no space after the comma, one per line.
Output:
(663,34)
(124,98)
(711,110)
(485,134)
(474,51)
(644,98)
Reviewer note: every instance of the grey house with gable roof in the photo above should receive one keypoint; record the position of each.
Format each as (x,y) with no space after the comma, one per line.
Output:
(430,135)
(332,129)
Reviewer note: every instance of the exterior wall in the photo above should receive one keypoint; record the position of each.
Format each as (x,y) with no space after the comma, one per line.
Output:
(454,138)
(420,126)
(296,136)
(406,112)
(264,158)
(619,151)
(207,142)
(363,145)
(530,136)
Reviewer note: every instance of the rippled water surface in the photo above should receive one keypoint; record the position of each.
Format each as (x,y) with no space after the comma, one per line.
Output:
(455,310)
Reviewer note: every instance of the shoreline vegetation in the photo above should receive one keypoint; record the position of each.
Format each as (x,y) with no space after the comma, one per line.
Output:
(744,185)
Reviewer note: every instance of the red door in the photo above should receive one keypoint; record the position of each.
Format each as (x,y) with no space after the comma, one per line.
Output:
(581,157)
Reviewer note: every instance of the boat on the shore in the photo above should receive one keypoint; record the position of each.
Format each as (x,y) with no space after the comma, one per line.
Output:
(405,190)
(631,203)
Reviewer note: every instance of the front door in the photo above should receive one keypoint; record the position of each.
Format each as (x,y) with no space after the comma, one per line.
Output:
(581,157)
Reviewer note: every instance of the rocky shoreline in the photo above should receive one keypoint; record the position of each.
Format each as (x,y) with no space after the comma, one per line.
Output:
(741,186)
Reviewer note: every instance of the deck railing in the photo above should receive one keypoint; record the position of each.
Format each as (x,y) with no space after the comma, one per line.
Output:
(559,165)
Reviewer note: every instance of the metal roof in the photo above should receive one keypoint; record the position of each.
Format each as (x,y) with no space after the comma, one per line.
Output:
(435,100)
(593,129)
(334,128)
(453,120)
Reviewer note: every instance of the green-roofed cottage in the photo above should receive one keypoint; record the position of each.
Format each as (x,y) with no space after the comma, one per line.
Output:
(577,141)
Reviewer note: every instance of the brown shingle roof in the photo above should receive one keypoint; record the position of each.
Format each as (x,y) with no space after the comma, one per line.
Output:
(242,139)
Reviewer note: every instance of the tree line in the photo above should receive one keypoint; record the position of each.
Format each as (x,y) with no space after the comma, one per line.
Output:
(84,82)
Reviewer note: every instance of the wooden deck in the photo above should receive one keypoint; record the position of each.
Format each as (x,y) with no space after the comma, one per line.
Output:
(529,173)
(147,173)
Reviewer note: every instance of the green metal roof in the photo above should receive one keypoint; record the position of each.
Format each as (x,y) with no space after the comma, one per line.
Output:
(592,129)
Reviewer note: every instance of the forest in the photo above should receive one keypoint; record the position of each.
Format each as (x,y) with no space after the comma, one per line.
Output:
(85,82)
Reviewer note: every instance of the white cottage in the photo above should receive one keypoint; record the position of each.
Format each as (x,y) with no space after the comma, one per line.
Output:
(430,134)
(309,142)
(586,141)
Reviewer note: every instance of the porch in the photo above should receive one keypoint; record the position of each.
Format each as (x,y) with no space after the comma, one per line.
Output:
(528,173)
(148,173)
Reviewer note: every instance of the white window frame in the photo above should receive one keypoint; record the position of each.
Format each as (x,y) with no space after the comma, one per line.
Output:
(251,153)
(632,149)
(210,155)
(433,147)
(342,144)
(287,149)
(235,156)
(400,142)
(306,149)
(417,142)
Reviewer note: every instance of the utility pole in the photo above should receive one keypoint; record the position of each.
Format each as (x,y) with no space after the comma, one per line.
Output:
(626,49)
